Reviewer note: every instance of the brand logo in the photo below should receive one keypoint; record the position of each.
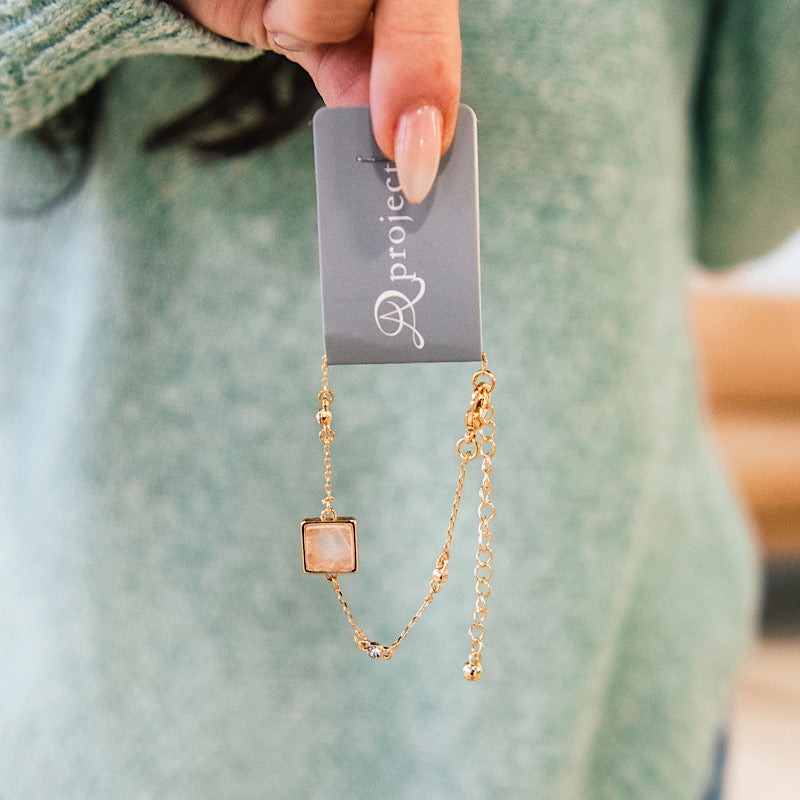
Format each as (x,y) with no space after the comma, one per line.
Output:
(394,310)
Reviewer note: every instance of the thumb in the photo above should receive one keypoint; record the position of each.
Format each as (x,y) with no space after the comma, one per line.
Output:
(415,83)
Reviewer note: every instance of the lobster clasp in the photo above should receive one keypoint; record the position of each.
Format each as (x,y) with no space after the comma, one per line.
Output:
(475,416)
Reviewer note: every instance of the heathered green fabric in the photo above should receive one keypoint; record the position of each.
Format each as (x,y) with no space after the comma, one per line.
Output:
(53,50)
(160,344)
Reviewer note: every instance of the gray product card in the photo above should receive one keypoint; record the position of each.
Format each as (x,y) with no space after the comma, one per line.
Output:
(400,282)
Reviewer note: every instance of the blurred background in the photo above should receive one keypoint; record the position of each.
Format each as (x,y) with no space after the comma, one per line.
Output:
(746,329)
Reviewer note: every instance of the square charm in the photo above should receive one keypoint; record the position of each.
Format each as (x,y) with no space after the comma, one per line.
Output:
(329,546)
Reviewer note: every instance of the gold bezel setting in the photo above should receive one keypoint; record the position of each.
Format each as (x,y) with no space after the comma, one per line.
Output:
(329,535)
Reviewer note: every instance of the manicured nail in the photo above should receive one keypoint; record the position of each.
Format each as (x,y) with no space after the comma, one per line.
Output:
(417,149)
(288,43)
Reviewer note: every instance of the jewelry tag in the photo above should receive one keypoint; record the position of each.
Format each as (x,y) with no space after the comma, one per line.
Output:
(400,281)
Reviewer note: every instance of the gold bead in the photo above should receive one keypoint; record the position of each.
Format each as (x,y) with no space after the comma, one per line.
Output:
(324,416)
(472,671)
(440,575)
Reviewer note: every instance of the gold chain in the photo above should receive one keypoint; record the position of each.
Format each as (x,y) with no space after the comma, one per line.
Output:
(324,418)
(478,440)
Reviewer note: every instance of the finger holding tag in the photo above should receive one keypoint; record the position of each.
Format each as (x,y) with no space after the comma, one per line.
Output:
(403,59)
(415,84)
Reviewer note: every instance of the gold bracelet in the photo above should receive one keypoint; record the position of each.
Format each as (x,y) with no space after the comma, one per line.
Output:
(329,541)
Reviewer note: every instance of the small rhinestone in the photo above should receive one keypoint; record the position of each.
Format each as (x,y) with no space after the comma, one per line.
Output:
(374,651)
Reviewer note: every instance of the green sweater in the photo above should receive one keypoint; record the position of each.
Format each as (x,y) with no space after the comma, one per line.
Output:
(160,342)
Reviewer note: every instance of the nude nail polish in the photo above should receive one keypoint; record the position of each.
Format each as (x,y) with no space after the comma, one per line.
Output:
(290,44)
(417,149)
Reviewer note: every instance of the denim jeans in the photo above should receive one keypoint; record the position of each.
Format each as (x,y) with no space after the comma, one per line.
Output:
(714,788)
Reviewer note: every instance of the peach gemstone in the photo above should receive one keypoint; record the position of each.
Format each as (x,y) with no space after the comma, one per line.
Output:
(329,546)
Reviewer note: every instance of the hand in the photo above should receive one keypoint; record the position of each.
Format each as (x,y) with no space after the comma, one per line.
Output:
(402,57)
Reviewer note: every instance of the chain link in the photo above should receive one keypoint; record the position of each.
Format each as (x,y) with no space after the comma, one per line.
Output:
(478,441)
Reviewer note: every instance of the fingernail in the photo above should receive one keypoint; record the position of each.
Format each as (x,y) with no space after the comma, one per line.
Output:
(288,43)
(417,148)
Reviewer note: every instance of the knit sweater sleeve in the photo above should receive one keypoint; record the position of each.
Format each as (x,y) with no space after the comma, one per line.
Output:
(51,51)
(747,127)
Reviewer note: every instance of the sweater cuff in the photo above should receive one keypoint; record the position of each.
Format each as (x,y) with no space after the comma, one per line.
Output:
(52,52)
